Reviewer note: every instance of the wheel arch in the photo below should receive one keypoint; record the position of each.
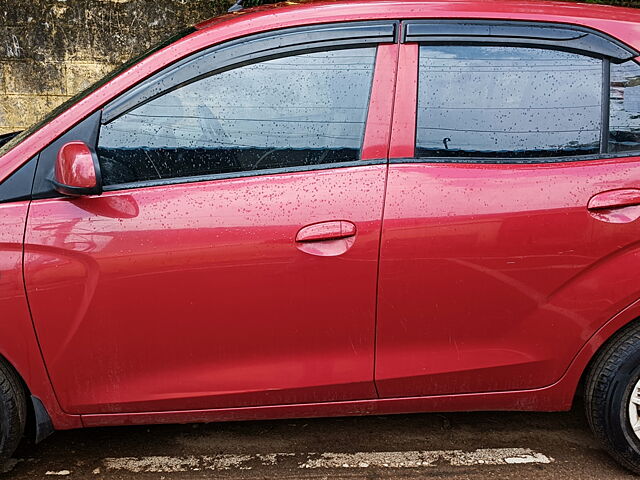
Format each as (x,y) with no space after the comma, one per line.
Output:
(581,366)
(42,404)
(38,423)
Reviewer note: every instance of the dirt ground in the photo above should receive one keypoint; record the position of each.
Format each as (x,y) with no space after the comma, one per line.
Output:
(461,446)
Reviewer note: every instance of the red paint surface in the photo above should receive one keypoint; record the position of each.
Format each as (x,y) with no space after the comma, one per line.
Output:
(492,277)
(403,130)
(378,133)
(496,285)
(556,397)
(195,295)
(75,167)
(19,345)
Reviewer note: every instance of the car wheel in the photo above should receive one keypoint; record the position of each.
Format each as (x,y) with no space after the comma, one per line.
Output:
(612,397)
(13,412)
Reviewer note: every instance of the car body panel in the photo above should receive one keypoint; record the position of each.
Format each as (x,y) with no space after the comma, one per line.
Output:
(556,397)
(492,277)
(195,295)
(378,133)
(592,296)
(20,346)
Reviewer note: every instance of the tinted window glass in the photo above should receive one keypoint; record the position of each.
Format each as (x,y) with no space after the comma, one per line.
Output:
(296,111)
(624,123)
(507,102)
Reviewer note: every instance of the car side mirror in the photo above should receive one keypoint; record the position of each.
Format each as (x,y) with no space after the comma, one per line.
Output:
(77,170)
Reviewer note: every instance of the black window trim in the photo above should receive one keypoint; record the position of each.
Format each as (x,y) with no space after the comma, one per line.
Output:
(163,182)
(17,187)
(453,33)
(605,115)
(85,131)
(514,161)
(552,35)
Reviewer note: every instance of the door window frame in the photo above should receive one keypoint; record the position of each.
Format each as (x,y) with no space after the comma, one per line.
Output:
(542,35)
(264,47)
(383,35)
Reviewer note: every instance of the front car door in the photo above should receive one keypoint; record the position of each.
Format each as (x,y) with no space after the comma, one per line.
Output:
(510,230)
(232,260)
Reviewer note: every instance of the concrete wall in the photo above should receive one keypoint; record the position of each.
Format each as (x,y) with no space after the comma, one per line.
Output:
(51,49)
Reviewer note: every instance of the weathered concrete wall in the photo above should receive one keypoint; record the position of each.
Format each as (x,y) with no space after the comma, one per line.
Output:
(51,49)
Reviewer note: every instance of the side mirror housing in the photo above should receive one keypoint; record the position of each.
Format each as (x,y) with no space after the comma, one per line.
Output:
(77,170)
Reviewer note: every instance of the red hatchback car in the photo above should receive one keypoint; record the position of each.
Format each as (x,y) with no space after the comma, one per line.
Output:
(334,208)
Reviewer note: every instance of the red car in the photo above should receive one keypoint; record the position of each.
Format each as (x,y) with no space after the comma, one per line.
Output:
(334,208)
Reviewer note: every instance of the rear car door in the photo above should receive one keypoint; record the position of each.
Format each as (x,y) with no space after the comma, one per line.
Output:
(232,259)
(510,225)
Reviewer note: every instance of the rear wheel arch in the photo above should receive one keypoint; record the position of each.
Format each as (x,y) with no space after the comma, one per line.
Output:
(601,350)
(609,383)
(599,343)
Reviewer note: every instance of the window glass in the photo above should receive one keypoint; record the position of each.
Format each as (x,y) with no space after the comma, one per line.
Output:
(301,110)
(507,102)
(624,123)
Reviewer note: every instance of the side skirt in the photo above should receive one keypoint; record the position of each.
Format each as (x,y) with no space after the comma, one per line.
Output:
(553,398)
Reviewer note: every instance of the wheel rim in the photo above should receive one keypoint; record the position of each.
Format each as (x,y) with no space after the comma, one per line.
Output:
(634,409)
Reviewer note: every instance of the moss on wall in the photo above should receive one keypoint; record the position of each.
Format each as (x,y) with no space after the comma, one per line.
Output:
(51,49)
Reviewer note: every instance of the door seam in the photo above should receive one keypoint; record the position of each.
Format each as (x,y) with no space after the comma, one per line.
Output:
(384,202)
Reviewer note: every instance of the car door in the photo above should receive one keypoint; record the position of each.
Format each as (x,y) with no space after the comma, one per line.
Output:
(511,210)
(232,259)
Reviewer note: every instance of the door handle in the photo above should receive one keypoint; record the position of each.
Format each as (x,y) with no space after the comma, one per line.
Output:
(621,198)
(325,231)
(616,206)
(326,239)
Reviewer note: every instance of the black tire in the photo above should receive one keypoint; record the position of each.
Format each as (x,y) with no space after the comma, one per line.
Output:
(610,383)
(13,412)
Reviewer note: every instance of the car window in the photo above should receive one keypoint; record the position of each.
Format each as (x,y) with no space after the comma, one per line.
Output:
(507,102)
(301,110)
(624,123)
